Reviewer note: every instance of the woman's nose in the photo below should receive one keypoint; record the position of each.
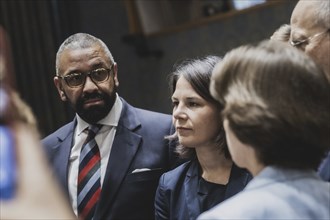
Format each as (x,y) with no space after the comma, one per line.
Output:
(179,112)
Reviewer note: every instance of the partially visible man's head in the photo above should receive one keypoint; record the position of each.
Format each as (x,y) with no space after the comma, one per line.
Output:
(310,31)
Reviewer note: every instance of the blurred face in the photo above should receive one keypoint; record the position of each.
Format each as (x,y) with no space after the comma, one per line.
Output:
(92,101)
(315,37)
(236,148)
(197,121)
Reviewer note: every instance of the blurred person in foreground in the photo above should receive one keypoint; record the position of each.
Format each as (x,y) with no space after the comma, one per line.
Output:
(276,117)
(210,176)
(282,33)
(35,193)
(109,158)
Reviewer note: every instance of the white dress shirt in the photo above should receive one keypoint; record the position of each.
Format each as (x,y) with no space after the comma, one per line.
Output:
(104,139)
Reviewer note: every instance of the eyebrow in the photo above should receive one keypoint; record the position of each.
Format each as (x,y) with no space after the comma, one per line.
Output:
(98,65)
(94,66)
(298,41)
(72,72)
(193,98)
(297,35)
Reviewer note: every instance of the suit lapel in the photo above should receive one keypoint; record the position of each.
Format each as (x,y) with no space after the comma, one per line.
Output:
(191,188)
(61,153)
(238,180)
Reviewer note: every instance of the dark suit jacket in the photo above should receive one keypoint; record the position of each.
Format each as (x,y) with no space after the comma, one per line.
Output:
(324,168)
(176,196)
(139,143)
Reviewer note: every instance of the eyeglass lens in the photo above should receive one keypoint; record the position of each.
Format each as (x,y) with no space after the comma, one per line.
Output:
(299,42)
(77,79)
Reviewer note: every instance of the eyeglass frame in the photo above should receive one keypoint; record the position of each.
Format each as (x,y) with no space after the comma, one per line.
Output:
(297,43)
(87,74)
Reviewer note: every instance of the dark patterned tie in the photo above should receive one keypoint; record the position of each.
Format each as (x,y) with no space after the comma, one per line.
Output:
(89,177)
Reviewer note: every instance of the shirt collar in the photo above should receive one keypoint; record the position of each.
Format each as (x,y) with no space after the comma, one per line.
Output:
(111,119)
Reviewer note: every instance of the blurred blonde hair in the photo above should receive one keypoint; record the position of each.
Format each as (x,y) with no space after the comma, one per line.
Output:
(13,107)
(276,100)
(282,33)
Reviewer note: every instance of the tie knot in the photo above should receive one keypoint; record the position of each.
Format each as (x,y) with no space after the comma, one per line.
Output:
(93,129)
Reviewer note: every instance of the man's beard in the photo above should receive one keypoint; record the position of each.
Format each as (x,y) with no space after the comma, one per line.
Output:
(95,113)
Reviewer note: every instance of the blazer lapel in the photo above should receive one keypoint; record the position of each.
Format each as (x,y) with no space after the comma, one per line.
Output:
(61,153)
(238,180)
(124,148)
(191,188)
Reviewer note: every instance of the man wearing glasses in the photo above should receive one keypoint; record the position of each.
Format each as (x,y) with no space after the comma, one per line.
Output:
(110,157)
(309,31)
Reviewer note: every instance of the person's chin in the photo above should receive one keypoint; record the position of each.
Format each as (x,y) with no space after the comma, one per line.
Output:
(94,103)
(93,115)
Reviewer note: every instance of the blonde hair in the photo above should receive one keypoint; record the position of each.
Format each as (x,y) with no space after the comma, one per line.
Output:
(282,33)
(81,40)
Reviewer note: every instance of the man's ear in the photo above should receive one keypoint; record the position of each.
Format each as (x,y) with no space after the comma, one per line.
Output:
(63,95)
(115,76)
(59,88)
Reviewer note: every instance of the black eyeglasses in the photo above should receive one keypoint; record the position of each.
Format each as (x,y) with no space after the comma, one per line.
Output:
(78,79)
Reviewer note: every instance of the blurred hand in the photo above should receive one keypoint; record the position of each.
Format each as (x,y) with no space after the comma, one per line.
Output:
(37,194)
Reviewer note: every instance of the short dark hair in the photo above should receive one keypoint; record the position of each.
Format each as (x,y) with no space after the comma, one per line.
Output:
(79,41)
(198,73)
(276,100)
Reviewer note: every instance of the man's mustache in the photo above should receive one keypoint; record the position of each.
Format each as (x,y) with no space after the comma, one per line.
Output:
(88,96)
